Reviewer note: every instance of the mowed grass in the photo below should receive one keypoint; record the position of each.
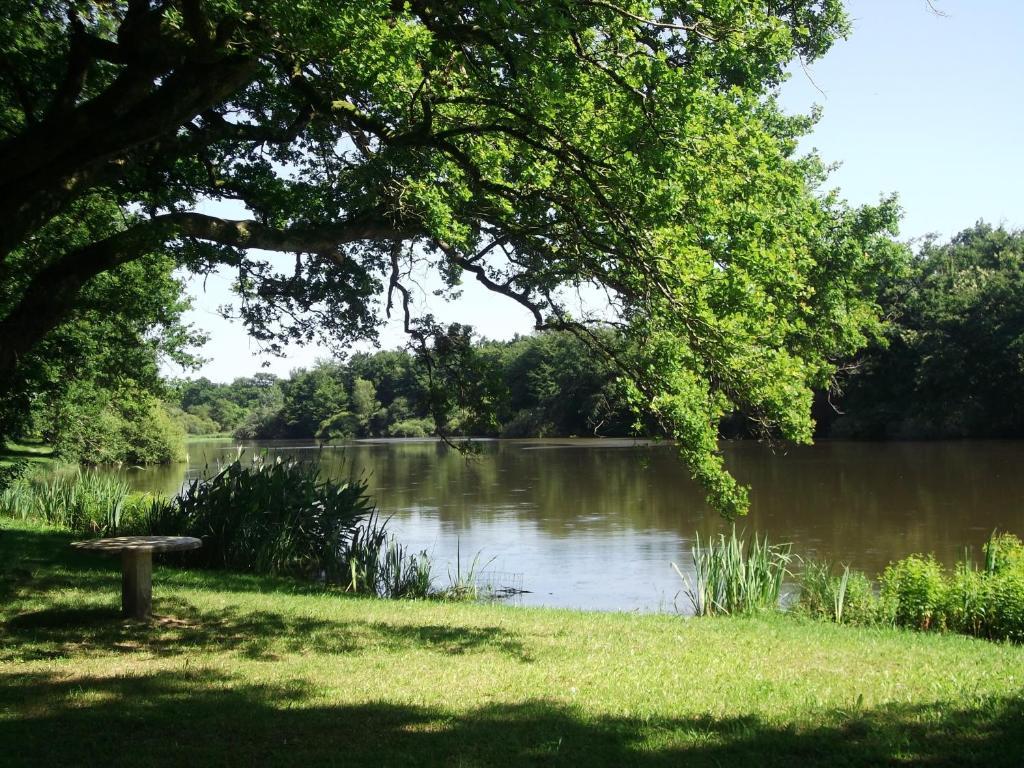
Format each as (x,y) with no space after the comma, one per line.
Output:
(246,671)
(36,453)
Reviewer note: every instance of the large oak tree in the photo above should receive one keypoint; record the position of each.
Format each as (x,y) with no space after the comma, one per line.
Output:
(531,146)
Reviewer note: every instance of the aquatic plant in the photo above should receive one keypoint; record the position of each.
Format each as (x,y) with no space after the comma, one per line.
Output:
(734,578)
(465,582)
(84,502)
(376,564)
(845,598)
(269,517)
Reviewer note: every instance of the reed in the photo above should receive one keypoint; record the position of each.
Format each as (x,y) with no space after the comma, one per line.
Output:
(84,502)
(734,576)
(465,582)
(376,564)
(269,517)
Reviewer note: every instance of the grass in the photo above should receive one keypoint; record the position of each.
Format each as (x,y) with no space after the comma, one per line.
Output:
(226,437)
(36,453)
(246,671)
(735,575)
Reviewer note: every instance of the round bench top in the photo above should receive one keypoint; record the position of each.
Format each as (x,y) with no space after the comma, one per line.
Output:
(117,544)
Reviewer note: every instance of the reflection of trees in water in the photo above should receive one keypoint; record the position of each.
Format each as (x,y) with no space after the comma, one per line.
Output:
(865,503)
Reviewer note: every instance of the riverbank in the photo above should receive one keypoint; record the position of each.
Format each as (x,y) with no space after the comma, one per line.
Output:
(245,671)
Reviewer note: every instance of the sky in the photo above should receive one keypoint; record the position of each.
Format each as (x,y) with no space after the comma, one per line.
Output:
(927,105)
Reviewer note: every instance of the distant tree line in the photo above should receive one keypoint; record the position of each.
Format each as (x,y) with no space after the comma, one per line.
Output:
(950,364)
(541,385)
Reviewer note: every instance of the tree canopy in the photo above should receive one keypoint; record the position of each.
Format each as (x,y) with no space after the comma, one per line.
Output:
(952,359)
(534,147)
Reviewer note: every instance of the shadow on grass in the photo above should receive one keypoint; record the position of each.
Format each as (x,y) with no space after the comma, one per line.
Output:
(43,560)
(64,631)
(202,718)
(36,566)
(37,452)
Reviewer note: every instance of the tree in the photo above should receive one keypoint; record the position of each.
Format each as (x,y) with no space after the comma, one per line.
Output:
(953,357)
(90,387)
(313,399)
(631,146)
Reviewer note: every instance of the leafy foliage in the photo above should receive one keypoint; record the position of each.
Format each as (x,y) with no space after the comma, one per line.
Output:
(97,426)
(534,147)
(917,593)
(951,362)
(269,517)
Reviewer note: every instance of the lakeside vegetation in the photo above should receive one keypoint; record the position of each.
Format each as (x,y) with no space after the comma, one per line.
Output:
(345,162)
(945,366)
(258,669)
(281,517)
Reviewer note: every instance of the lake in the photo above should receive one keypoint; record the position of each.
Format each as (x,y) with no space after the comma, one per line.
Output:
(597,523)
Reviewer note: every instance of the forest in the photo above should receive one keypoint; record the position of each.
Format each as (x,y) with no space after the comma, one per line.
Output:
(946,364)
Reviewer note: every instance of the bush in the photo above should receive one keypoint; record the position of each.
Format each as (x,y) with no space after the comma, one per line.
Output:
(529,422)
(261,424)
(192,423)
(266,517)
(968,601)
(412,428)
(914,592)
(1004,618)
(150,435)
(95,426)
(1003,552)
(847,598)
(985,603)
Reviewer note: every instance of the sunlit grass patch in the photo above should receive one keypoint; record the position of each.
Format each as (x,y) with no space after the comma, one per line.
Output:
(259,670)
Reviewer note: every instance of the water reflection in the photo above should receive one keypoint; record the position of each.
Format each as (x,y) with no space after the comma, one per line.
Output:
(596,523)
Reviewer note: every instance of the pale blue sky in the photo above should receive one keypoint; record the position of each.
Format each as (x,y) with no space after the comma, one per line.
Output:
(930,107)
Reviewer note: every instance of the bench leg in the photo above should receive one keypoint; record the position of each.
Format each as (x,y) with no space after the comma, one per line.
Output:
(136,583)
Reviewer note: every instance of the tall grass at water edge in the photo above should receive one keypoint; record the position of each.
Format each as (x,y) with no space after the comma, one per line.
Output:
(85,502)
(376,564)
(735,576)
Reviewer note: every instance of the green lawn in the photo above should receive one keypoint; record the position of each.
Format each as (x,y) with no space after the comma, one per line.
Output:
(226,437)
(245,671)
(37,453)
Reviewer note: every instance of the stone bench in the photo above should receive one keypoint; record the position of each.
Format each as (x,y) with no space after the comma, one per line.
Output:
(137,565)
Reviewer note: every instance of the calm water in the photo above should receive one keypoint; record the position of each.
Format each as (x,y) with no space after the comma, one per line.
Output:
(597,523)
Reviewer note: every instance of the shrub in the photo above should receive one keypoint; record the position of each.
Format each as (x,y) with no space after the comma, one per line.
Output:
(263,423)
(529,422)
(847,598)
(150,435)
(1003,551)
(412,428)
(98,427)
(1004,619)
(268,517)
(968,600)
(914,592)
(12,473)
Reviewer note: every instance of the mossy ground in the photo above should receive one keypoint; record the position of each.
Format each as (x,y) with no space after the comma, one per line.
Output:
(245,671)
